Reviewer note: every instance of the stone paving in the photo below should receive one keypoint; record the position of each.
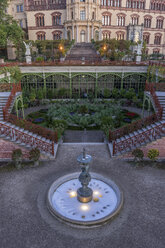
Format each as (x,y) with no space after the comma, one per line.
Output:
(26,223)
(158,144)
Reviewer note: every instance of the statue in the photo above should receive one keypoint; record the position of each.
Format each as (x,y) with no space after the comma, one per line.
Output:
(28,53)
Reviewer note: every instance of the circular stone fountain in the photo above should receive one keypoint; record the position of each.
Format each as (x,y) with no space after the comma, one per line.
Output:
(92,200)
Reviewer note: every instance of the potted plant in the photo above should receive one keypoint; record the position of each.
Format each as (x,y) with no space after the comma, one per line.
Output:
(17,158)
(34,155)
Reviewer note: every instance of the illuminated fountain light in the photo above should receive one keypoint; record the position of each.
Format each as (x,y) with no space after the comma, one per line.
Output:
(63,203)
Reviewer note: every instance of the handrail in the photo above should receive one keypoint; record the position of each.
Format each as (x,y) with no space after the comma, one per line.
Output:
(150,87)
(113,135)
(27,125)
(16,88)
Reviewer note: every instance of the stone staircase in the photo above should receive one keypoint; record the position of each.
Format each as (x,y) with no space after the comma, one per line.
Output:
(161,98)
(84,52)
(27,139)
(3,100)
(137,139)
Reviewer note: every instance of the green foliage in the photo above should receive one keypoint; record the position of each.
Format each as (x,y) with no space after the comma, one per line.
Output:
(153,154)
(138,154)
(34,154)
(32,96)
(115,93)
(107,93)
(40,94)
(39,59)
(14,71)
(130,94)
(17,158)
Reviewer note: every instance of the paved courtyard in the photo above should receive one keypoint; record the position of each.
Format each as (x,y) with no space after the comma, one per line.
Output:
(26,223)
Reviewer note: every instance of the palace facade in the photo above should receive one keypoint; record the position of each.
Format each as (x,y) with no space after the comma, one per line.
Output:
(83,20)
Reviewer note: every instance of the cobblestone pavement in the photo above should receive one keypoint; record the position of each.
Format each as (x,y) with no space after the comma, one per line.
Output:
(26,223)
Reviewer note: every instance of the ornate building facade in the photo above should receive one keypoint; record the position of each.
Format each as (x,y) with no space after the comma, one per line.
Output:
(83,20)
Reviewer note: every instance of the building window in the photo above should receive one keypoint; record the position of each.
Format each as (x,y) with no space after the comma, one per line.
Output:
(106,19)
(82,15)
(106,35)
(40,35)
(120,35)
(112,3)
(56,18)
(135,20)
(82,1)
(21,23)
(72,15)
(135,4)
(147,22)
(157,39)
(159,23)
(40,20)
(155,51)
(146,38)
(121,20)
(20,8)
(57,35)
(157,5)
(93,15)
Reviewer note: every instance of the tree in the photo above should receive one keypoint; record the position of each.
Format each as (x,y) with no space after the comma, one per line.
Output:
(9,28)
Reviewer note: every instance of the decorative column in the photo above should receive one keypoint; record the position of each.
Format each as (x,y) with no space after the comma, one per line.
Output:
(65,33)
(88,33)
(77,38)
(92,32)
(72,32)
(100,33)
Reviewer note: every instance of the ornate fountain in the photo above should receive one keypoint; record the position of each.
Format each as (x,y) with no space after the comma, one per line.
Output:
(85,199)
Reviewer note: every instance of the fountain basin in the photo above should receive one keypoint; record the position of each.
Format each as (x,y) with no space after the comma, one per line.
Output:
(106,202)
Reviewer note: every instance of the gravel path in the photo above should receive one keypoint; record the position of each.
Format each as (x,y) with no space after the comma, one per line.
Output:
(26,223)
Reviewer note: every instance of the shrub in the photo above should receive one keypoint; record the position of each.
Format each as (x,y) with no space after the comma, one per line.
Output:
(115,93)
(107,93)
(17,158)
(34,154)
(138,154)
(39,59)
(40,94)
(130,94)
(153,154)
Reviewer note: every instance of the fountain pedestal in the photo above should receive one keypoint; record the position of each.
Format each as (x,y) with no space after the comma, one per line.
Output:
(84,194)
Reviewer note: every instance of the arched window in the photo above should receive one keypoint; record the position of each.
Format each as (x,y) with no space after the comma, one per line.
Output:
(135,19)
(147,21)
(146,37)
(106,34)
(106,19)
(41,35)
(157,39)
(57,35)
(40,22)
(121,20)
(120,35)
(159,22)
(56,18)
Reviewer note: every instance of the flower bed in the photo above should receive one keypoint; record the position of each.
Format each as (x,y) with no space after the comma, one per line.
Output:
(83,114)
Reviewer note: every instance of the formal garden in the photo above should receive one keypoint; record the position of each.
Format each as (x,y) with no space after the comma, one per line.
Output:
(108,112)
